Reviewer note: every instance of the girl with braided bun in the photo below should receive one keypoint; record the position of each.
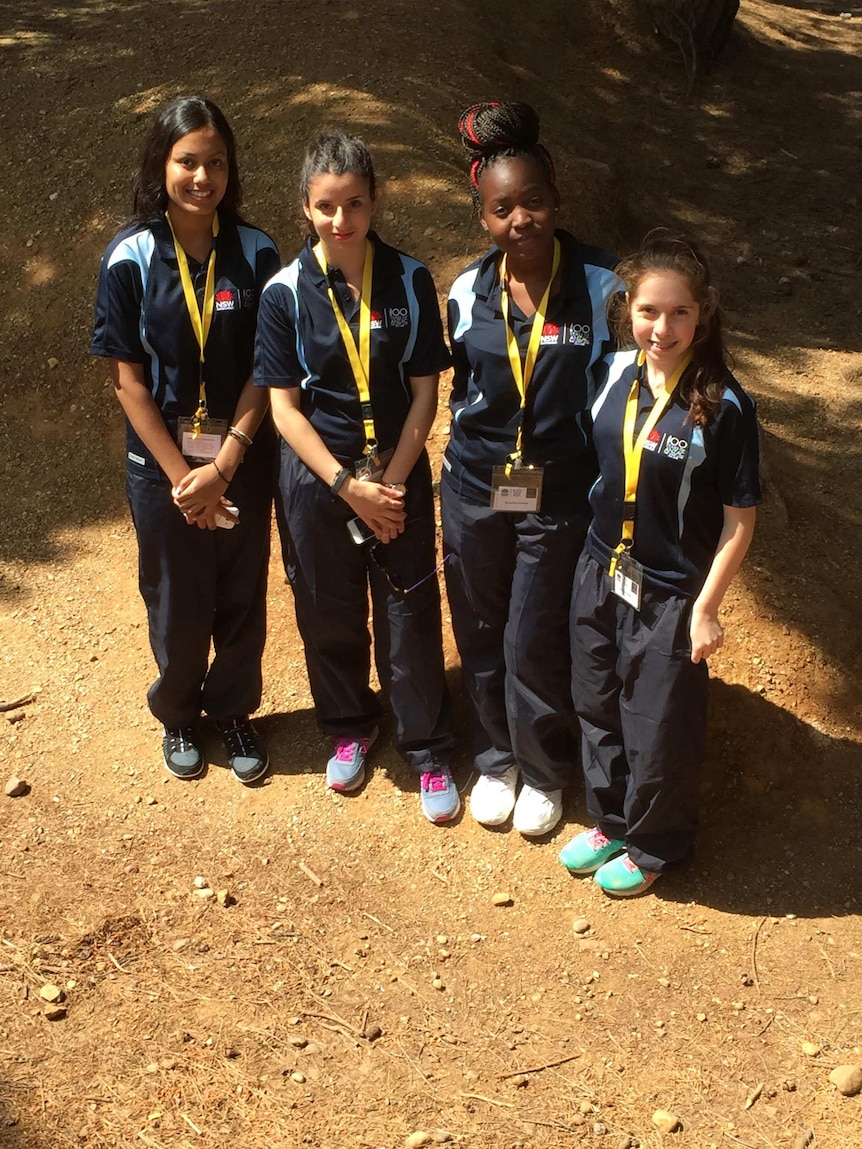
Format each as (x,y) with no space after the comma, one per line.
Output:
(527,322)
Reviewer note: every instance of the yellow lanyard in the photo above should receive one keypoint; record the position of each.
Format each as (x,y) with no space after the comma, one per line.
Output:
(523,372)
(201,318)
(633,449)
(360,359)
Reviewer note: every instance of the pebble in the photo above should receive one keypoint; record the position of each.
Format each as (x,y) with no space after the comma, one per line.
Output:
(810,1049)
(502,899)
(205,892)
(599,1128)
(298,1042)
(13,717)
(52,361)
(520,1081)
(372,1032)
(51,993)
(225,898)
(54,1012)
(200,883)
(438,983)
(847,1079)
(625,1142)
(15,787)
(665,1121)
(417,1140)
(580,925)
(298,1077)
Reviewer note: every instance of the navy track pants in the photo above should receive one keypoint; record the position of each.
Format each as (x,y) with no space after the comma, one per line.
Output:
(509,582)
(641,703)
(331,577)
(203,587)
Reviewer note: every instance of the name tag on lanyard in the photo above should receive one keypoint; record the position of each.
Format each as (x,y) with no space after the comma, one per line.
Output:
(516,486)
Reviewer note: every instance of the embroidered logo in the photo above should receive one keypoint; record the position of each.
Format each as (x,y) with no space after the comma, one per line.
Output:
(225,300)
(578,334)
(675,448)
(398,317)
(376,320)
(550,333)
(653,441)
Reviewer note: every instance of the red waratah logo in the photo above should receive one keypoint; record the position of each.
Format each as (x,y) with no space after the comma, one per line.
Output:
(376,319)
(551,333)
(225,300)
(654,436)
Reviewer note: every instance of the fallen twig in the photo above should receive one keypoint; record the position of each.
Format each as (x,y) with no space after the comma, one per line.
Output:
(539,1068)
(373,919)
(754,952)
(753,1095)
(309,873)
(16,702)
(191,1124)
(116,963)
(488,1100)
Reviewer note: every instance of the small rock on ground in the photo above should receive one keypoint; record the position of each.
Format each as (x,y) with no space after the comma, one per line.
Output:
(665,1121)
(15,787)
(502,899)
(417,1140)
(847,1079)
(580,925)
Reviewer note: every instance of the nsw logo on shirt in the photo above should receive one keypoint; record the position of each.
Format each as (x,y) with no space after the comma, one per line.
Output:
(550,333)
(653,441)
(226,299)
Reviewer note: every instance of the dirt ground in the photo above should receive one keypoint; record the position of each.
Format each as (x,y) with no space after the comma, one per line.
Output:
(359,986)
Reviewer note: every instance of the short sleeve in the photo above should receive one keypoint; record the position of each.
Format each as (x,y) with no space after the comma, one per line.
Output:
(277,361)
(738,462)
(119,299)
(430,353)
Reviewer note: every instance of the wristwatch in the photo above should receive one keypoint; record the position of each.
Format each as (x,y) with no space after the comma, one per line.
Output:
(340,479)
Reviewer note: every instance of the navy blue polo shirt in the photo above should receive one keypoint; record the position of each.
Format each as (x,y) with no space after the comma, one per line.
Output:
(299,344)
(688,475)
(485,403)
(141,317)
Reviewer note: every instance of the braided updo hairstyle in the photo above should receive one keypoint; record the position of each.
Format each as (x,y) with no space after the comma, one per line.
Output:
(499,130)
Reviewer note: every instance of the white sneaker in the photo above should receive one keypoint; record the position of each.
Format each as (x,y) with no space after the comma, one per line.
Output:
(493,797)
(537,813)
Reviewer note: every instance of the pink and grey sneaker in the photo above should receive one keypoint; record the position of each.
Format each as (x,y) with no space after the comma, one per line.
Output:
(589,850)
(440,798)
(345,770)
(622,878)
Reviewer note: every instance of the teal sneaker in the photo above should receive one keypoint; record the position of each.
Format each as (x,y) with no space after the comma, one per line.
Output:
(589,850)
(440,798)
(622,878)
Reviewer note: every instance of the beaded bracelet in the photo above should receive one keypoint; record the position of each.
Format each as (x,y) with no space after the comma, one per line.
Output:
(240,436)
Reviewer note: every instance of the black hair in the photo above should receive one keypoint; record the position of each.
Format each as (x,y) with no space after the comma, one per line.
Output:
(498,130)
(703,383)
(175,120)
(336,153)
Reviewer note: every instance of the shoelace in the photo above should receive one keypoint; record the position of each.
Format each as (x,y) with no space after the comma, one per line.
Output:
(597,839)
(435,781)
(345,748)
(632,868)
(183,739)
(241,739)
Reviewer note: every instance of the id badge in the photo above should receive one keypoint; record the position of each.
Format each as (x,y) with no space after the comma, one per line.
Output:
(628,581)
(203,447)
(519,490)
(370,468)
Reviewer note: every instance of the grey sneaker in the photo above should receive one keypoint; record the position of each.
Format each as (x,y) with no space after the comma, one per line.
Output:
(345,770)
(440,798)
(183,757)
